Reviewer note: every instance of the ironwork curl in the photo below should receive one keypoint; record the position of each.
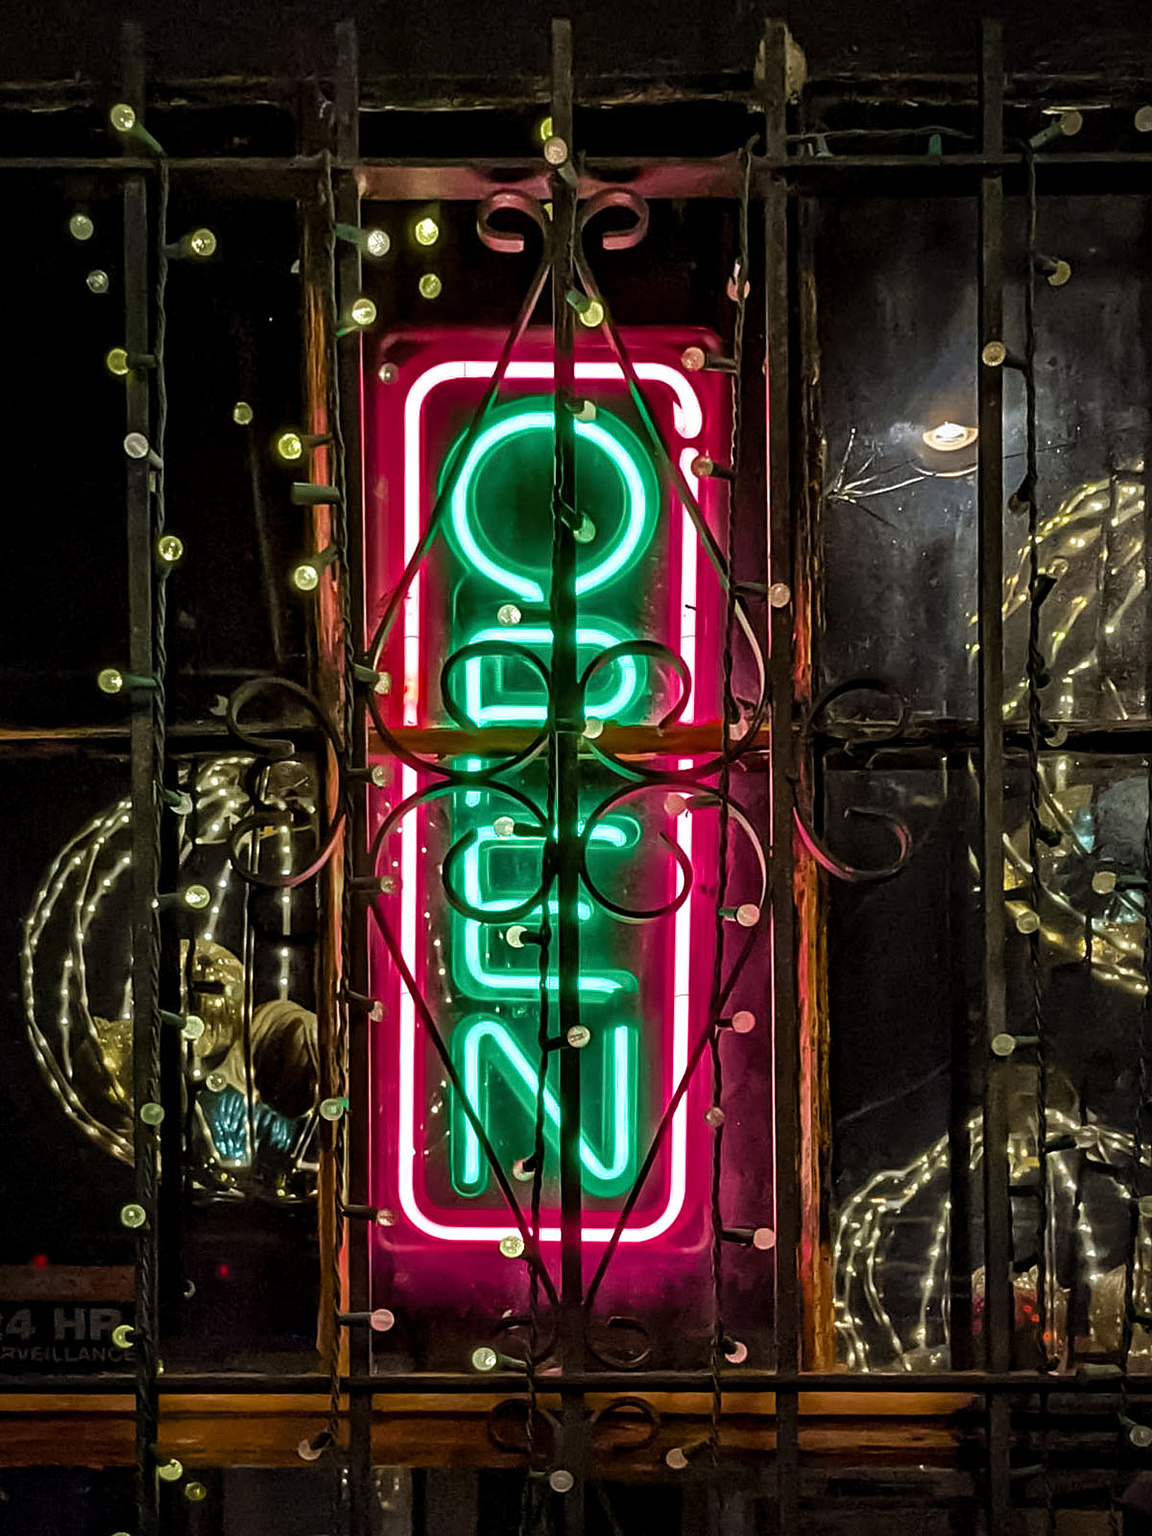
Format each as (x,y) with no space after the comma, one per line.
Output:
(871,737)
(276,748)
(477,651)
(279,749)
(431,792)
(645,648)
(702,794)
(458,777)
(505,915)
(613,1359)
(648,1414)
(633,914)
(511,1409)
(507,242)
(615,197)
(545,1346)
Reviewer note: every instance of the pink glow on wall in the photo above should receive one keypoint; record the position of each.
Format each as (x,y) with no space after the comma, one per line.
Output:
(405,439)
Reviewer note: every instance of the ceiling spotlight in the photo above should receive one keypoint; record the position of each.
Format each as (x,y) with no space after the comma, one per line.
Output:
(949,436)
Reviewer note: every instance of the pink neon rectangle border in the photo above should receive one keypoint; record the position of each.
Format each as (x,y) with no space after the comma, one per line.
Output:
(688,421)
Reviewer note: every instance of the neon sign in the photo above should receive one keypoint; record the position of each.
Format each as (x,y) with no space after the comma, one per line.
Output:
(640,575)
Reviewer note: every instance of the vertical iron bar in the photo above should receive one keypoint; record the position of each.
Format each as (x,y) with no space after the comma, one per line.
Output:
(786,1036)
(567,727)
(998,1316)
(354,963)
(957,799)
(145,864)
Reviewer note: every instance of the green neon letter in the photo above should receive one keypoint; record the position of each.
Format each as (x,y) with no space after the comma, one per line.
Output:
(637,484)
(483,1046)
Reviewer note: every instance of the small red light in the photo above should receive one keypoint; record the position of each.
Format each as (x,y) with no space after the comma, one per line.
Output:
(223,1271)
(38,1261)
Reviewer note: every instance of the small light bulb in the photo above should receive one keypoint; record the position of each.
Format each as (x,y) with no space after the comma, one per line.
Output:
(111,680)
(578,1036)
(503,826)
(747,914)
(215,1081)
(170,1471)
(377,242)
(1003,1044)
(363,312)
(242,413)
(81,227)
(514,937)
(382,1320)
(743,1022)
(195,1493)
(1141,1436)
(593,315)
(97,280)
(1104,882)
(426,231)
(512,1246)
(202,242)
(586,532)
(151,1114)
(122,117)
(305,577)
(332,1109)
(309,1452)
(764,1239)
(379,775)
(197,897)
(485,1358)
(430,286)
(561,1481)
(290,446)
(692,359)
(1027,921)
(136,445)
(544,129)
(388,373)
(116,361)
(385,1217)
(714,1117)
(193,1026)
(133,1216)
(735,1352)
(169,548)
(122,1336)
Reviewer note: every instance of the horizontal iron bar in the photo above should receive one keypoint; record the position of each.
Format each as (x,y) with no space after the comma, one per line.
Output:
(470,180)
(628,740)
(469,1383)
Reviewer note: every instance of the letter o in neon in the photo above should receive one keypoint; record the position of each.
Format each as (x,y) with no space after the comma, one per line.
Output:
(607,433)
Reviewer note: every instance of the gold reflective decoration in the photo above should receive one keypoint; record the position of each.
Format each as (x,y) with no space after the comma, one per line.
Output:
(114,1040)
(75,969)
(216,994)
(1091,550)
